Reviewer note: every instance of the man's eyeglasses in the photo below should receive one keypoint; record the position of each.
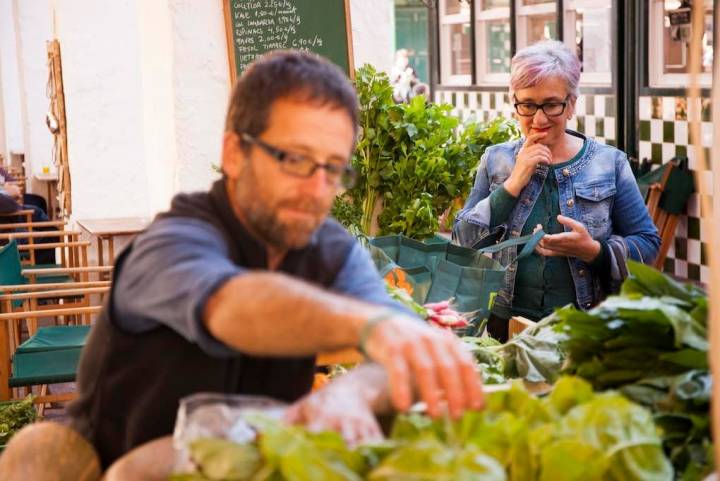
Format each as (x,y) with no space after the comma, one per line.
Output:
(301,165)
(550,109)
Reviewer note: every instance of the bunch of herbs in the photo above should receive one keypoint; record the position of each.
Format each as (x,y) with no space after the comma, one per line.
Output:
(414,161)
(13,416)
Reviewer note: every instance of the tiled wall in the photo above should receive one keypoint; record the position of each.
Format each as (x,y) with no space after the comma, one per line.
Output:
(483,105)
(663,134)
(594,114)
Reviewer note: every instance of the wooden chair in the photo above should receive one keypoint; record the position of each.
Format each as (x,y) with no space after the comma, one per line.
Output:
(48,357)
(665,223)
(73,252)
(25,214)
(30,226)
(43,289)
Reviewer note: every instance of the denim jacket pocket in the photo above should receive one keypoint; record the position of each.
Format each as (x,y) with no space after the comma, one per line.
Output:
(594,202)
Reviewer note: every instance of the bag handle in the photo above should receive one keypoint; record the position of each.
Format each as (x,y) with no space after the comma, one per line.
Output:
(531,241)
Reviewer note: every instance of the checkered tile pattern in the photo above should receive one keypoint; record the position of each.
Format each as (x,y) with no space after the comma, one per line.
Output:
(481,106)
(594,114)
(664,134)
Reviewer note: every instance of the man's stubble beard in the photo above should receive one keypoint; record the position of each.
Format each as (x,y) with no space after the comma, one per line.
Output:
(263,218)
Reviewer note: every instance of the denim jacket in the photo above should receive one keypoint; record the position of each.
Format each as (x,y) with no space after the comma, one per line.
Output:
(598,190)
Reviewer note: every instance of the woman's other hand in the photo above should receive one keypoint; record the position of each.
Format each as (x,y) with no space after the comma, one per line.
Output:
(529,157)
(575,243)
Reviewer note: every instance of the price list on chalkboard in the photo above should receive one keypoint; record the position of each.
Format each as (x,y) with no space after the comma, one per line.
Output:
(259,26)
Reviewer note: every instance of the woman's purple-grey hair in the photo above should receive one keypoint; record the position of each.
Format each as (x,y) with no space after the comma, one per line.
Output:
(540,61)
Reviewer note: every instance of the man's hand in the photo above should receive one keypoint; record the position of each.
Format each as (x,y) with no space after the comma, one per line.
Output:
(529,157)
(344,406)
(576,243)
(433,361)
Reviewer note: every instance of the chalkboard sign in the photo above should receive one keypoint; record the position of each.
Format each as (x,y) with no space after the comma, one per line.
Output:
(254,27)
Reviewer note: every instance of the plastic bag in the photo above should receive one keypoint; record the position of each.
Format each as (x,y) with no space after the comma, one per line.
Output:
(219,416)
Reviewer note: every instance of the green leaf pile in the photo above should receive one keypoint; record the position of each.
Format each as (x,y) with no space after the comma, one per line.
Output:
(413,160)
(13,416)
(651,344)
(533,355)
(571,435)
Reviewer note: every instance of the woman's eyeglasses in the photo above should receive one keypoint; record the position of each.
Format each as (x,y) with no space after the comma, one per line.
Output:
(550,109)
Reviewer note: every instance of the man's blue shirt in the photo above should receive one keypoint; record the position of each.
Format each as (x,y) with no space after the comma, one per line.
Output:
(178,263)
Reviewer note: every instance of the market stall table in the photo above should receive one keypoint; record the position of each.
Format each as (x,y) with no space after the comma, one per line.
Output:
(107,229)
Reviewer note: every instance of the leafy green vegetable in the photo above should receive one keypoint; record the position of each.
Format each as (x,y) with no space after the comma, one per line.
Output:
(571,435)
(651,344)
(15,415)
(224,459)
(428,459)
(533,355)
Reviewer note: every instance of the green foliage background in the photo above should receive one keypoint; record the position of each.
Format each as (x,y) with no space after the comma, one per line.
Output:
(415,157)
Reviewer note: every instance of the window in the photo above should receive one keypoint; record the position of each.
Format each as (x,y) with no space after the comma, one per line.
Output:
(536,21)
(455,38)
(411,34)
(492,37)
(588,29)
(670,32)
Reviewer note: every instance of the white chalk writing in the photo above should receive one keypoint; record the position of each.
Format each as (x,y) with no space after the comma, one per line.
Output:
(263,25)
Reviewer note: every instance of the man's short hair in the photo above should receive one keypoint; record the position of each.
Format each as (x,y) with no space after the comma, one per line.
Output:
(294,74)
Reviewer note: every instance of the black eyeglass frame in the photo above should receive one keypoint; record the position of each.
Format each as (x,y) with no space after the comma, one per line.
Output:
(541,107)
(346,175)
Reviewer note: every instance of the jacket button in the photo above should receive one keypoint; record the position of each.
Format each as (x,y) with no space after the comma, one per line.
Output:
(570,203)
(566,172)
(581,272)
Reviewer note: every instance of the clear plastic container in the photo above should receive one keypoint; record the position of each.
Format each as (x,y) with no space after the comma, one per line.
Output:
(221,416)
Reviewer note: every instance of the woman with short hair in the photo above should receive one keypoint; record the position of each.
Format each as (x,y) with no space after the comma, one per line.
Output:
(580,192)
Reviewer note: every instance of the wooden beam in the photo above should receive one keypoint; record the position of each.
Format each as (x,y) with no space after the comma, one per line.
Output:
(13,316)
(51,286)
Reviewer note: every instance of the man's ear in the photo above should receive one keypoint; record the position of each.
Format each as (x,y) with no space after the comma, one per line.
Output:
(233,156)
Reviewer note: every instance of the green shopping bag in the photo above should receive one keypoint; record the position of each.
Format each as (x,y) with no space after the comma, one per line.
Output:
(439,271)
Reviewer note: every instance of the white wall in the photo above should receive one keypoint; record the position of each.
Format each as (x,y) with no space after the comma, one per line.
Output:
(100,48)
(158,97)
(3,142)
(202,87)
(373,32)
(9,80)
(33,31)
(146,90)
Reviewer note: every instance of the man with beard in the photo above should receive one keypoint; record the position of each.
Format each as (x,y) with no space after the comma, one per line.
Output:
(237,289)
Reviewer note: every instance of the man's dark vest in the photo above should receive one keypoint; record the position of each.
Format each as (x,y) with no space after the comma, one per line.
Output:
(130,384)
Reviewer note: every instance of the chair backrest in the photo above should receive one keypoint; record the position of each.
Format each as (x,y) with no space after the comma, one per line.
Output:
(668,189)
(10,267)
